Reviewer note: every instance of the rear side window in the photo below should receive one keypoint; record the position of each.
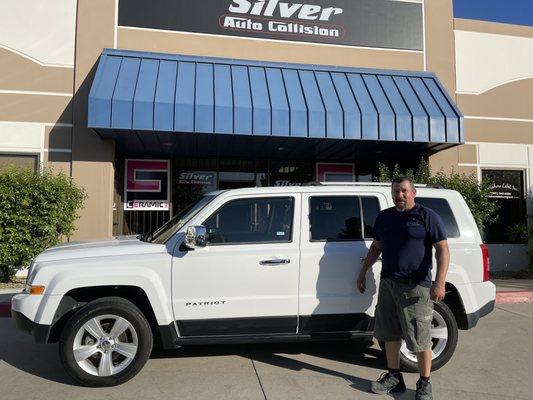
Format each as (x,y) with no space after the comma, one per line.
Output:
(335,218)
(442,207)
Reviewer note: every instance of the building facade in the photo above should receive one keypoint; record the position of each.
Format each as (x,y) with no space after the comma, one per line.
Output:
(149,105)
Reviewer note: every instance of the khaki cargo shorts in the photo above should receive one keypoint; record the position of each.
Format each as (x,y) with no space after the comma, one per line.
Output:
(404,311)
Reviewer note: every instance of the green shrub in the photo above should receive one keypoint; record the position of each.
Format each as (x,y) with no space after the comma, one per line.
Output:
(36,211)
(475,194)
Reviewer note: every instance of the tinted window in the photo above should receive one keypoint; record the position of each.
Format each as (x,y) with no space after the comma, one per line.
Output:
(441,207)
(335,218)
(252,221)
(370,212)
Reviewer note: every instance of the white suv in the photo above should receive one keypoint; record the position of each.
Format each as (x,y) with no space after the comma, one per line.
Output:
(245,265)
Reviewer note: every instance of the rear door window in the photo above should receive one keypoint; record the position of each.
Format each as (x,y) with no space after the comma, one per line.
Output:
(335,218)
(442,207)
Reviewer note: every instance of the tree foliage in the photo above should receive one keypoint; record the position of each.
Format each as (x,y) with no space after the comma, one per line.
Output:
(476,194)
(37,209)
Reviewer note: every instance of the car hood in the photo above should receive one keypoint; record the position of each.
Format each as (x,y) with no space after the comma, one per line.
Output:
(116,246)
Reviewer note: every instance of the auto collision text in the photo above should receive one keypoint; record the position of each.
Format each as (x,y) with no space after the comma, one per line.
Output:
(258,13)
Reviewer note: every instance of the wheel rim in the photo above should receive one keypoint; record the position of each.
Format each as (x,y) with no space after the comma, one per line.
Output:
(105,345)
(439,337)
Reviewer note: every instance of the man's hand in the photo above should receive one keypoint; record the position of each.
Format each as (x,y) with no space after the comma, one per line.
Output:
(437,292)
(361,281)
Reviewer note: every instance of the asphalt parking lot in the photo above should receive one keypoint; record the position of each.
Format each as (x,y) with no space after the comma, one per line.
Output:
(492,361)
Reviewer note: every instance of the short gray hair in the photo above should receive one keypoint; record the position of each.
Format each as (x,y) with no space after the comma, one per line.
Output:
(400,179)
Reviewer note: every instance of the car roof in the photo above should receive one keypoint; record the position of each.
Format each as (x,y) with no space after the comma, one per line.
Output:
(333,187)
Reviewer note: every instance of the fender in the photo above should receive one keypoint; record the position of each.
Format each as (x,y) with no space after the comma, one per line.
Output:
(149,272)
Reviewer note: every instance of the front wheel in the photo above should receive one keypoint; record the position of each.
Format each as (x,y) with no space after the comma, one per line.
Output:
(105,343)
(444,335)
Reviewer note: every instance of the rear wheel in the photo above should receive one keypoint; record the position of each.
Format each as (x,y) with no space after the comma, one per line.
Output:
(105,343)
(444,335)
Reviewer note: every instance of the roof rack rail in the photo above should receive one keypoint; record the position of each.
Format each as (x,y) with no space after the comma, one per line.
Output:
(386,184)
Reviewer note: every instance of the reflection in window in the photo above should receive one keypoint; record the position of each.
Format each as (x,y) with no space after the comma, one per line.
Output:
(252,221)
(370,213)
(335,218)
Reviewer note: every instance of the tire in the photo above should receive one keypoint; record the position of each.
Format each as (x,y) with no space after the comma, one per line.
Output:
(109,359)
(444,348)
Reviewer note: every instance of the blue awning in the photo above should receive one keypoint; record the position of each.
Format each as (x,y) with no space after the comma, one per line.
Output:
(139,91)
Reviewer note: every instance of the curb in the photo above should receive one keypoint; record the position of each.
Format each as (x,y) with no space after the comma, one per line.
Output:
(506,297)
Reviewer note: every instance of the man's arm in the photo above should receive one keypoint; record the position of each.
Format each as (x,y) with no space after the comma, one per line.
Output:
(371,258)
(442,254)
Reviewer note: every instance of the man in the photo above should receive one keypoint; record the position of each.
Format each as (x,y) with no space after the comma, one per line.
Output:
(405,234)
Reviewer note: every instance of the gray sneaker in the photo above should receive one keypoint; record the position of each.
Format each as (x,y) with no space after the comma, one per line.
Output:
(388,383)
(423,390)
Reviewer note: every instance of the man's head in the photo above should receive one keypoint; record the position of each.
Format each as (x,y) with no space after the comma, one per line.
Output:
(403,193)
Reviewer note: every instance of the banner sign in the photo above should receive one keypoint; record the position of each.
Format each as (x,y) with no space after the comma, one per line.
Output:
(146,185)
(369,23)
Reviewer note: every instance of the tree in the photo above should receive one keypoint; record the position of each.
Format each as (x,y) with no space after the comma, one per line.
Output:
(476,194)
(37,210)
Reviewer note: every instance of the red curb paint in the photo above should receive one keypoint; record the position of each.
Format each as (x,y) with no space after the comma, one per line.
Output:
(5,310)
(514,297)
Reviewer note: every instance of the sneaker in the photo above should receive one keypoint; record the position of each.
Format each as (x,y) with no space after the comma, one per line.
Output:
(388,383)
(423,390)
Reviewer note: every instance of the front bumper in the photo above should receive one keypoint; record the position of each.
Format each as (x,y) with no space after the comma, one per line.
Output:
(39,332)
(26,315)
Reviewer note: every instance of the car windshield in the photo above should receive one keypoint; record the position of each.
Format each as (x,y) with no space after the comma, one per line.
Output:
(166,231)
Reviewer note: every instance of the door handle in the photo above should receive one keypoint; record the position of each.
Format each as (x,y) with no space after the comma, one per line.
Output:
(364,258)
(275,261)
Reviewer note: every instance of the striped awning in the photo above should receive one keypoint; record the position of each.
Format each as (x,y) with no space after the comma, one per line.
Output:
(173,93)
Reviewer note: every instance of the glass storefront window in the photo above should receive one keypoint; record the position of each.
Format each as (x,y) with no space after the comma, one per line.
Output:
(290,173)
(507,189)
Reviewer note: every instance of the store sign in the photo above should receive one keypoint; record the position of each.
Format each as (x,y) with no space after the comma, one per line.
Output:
(146,185)
(197,178)
(504,184)
(368,23)
(286,182)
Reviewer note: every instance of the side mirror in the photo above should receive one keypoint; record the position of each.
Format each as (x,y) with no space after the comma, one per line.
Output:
(196,236)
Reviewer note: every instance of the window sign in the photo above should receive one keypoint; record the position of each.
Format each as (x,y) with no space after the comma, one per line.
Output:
(504,184)
(290,173)
(203,178)
(507,190)
(147,185)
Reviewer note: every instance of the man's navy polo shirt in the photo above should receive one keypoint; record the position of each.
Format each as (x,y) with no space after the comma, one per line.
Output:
(407,238)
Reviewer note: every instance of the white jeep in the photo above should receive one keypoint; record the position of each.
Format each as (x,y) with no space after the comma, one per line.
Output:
(240,266)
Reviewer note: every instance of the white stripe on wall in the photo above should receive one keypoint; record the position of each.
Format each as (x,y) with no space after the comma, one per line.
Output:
(29,92)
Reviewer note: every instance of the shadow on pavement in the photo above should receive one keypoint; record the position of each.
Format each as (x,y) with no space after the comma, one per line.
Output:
(18,350)
(275,354)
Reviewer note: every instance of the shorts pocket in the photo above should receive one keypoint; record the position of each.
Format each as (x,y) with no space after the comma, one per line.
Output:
(422,335)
